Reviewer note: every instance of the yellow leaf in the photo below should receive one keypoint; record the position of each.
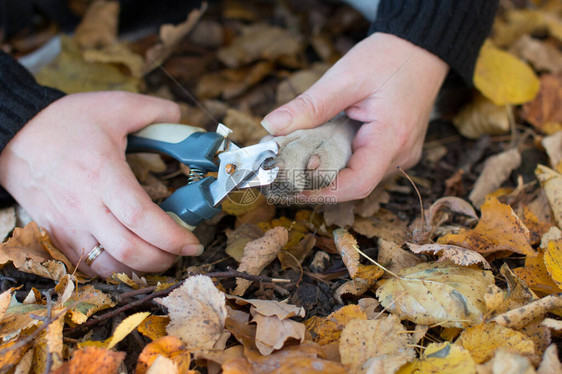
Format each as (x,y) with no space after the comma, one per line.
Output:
(551,182)
(499,229)
(441,358)
(536,275)
(167,346)
(553,260)
(431,293)
(503,78)
(49,343)
(154,327)
(486,338)
(125,327)
(361,341)
(11,356)
(325,330)
(238,203)
(347,246)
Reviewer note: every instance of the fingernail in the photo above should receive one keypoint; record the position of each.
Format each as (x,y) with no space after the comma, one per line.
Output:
(192,250)
(277,121)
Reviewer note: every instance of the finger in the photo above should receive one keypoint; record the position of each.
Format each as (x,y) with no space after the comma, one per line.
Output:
(128,248)
(330,95)
(134,209)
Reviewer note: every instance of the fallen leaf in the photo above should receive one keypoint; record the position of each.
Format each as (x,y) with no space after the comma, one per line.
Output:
(364,280)
(484,339)
(437,293)
(441,358)
(49,344)
(543,56)
(170,36)
(348,249)
(517,23)
(272,332)
(7,222)
(90,301)
(294,256)
(393,257)
(340,214)
(361,341)
(237,239)
(553,260)
(92,360)
(154,327)
(497,169)
(507,362)
(499,229)
(258,254)
(99,25)
(553,146)
(298,82)
(503,78)
(326,330)
(169,347)
(260,41)
(126,327)
(551,182)
(519,317)
(535,274)
(550,363)
(197,312)
(384,224)
(370,205)
(271,308)
(142,164)
(481,117)
(163,365)
(13,355)
(118,53)
(245,126)
(25,363)
(453,253)
(5,298)
(545,111)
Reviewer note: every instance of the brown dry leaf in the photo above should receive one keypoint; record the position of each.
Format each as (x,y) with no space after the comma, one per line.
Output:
(537,226)
(260,41)
(294,256)
(503,78)
(339,214)
(299,359)
(154,327)
(92,360)
(431,293)
(543,56)
(393,257)
(49,343)
(361,340)
(453,204)
(484,339)
(270,308)
(298,82)
(517,23)
(550,363)
(170,36)
(326,330)
(272,332)
(384,224)
(237,239)
(499,229)
(535,274)
(143,163)
(365,279)
(553,146)
(481,117)
(441,358)
(348,249)
(497,169)
(5,298)
(168,346)
(258,254)
(99,25)
(118,53)
(246,127)
(197,313)
(545,111)
(453,253)
(551,182)
(7,222)
(519,317)
(370,205)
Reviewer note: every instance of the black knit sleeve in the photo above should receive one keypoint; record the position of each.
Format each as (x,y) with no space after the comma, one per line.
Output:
(453,30)
(21,98)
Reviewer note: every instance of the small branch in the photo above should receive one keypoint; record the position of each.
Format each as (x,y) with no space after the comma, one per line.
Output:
(231,273)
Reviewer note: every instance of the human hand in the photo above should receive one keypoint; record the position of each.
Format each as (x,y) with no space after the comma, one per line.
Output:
(67,168)
(385,82)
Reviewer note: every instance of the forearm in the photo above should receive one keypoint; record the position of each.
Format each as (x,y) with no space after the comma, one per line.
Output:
(21,98)
(453,30)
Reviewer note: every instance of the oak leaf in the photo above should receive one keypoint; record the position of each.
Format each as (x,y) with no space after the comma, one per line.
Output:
(484,339)
(441,358)
(499,229)
(453,253)
(258,254)
(431,293)
(503,78)
(361,341)
(197,313)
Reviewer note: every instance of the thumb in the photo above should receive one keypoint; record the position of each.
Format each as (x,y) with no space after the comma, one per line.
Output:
(327,97)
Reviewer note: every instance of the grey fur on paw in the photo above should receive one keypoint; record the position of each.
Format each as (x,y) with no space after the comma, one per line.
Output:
(311,159)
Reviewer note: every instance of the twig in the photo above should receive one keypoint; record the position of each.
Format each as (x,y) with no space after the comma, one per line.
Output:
(140,291)
(425,225)
(231,273)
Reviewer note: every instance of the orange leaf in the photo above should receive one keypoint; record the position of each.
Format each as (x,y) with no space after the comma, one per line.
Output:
(499,229)
(92,360)
(535,274)
(325,330)
(167,346)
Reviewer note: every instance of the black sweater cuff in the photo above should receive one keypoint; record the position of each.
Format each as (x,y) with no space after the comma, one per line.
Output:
(21,98)
(453,30)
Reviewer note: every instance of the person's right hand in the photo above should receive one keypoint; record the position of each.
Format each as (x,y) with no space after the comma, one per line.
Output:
(67,168)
